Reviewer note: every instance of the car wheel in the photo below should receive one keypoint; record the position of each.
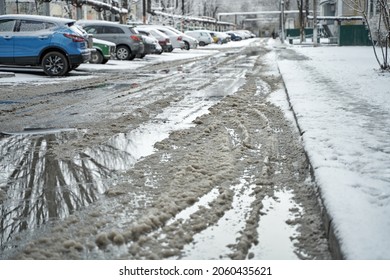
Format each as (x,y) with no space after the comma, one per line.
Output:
(96,58)
(123,53)
(202,44)
(104,61)
(55,64)
(187,45)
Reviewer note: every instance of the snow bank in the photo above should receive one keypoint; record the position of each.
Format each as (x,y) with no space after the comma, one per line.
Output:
(341,103)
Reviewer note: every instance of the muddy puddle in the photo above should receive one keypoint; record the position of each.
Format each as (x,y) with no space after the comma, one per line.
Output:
(214,241)
(37,187)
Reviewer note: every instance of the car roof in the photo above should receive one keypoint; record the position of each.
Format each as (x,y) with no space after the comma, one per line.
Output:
(103,22)
(57,20)
(200,30)
(165,27)
(156,28)
(152,29)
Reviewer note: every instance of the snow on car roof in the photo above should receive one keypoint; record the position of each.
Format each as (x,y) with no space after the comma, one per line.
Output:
(42,18)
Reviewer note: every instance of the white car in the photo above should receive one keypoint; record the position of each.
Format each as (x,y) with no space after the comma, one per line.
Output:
(189,41)
(176,39)
(203,36)
(163,40)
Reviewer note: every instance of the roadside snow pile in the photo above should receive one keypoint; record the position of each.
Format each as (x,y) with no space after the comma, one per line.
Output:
(341,104)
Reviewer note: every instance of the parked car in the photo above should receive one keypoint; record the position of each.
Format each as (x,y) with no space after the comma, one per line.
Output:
(189,41)
(128,41)
(203,36)
(163,40)
(234,36)
(220,37)
(176,39)
(245,34)
(55,44)
(151,43)
(105,51)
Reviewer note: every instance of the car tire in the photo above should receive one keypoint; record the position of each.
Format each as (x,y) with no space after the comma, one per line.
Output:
(97,58)
(123,53)
(55,64)
(187,46)
(202,44)
(105,61)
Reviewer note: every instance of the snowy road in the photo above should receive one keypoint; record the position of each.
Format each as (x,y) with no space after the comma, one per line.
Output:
(177,159)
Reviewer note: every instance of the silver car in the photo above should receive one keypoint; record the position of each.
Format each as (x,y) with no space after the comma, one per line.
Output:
(128,41)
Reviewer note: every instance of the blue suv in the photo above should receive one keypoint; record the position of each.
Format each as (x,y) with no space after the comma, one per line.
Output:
(55,44)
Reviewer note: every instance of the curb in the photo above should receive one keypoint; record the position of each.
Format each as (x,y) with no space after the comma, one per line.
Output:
(334,243)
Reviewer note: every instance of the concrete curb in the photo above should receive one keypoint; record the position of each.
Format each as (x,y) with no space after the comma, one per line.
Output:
(334,243)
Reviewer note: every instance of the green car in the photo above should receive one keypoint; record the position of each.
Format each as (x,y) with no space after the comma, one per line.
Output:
(105,50)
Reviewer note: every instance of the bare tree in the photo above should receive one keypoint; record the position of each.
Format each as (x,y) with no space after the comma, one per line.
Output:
(2,7)
(301,6)
(378,26)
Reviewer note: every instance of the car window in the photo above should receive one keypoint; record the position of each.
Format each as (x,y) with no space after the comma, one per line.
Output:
(7,25)
(92,29)
(112,30)
(134,31)
(32,25)
(143,32)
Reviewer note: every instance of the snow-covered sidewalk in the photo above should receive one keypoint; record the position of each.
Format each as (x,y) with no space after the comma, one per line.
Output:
(341,101)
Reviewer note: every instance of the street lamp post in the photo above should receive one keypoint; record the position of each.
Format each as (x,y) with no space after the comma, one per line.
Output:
(144,11)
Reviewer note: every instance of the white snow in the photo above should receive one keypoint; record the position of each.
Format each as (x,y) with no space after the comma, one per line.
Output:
(341,101)
(342,106)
